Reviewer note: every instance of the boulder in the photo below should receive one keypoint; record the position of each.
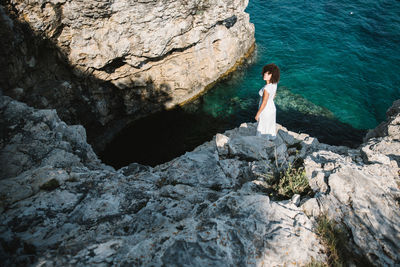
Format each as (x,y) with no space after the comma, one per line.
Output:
(131,56)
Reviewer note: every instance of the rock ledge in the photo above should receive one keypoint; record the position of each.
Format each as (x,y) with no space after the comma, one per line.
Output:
(60,205)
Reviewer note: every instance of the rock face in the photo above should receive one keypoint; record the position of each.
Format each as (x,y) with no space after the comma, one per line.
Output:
(212,206)
(388,127)
(132,57)
(361,188)
(62,206)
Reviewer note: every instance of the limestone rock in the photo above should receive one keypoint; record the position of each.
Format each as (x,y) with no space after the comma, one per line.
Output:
(250,148)
(311,207)
(199,209)
(390,127)
(61,206)
(221,142)
(135,56)
(40,138)
(296,199)
(384,151)
(364,197)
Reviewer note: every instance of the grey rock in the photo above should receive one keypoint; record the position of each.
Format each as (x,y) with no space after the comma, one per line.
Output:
(59,158)
(287,137)
(139,55)
(206,207)
(262,169)
(246,129)
(250,148)
(221,141)
(311,207)
(232,168)
(390,127)
(134,168)
(383,150)
(199,209)
(364,197)
(296,199)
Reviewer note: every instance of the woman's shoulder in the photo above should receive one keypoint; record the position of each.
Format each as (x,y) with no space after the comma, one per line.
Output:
(268,87)
(271,85)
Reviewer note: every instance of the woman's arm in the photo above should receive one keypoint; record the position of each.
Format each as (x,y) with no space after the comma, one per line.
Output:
(263,104)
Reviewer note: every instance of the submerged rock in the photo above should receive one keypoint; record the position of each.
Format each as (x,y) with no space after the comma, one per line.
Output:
(288,101)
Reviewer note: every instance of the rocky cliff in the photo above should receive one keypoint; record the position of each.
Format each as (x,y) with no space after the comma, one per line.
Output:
(212,206)
(105,59)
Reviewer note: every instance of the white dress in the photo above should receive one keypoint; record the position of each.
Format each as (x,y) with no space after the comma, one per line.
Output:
(267,121)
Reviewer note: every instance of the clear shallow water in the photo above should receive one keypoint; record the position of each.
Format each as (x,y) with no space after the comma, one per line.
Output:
(340,70)
(341,55)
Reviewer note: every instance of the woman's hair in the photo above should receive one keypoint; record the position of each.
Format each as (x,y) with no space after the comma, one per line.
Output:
(274,70)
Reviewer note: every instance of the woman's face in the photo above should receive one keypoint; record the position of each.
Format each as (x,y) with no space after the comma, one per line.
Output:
(267,76)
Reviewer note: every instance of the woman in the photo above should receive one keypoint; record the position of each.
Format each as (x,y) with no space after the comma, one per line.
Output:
(266,115)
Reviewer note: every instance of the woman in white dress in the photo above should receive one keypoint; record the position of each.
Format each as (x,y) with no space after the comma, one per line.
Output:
(266,115)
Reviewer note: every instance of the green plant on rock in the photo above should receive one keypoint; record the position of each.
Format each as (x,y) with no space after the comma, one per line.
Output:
(315,263)
(293,181)
(332,237)
(336,242)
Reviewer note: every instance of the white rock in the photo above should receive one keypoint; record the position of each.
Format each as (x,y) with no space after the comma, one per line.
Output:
(311,207)
(296,199)
(221,142)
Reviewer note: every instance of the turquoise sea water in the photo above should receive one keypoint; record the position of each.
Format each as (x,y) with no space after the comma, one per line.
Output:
(340,65)
(342,55)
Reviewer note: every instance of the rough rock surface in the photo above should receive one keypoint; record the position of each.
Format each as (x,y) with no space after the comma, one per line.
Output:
(211,206)
(361,189)
(390,127)
(131,56)
(62,206)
